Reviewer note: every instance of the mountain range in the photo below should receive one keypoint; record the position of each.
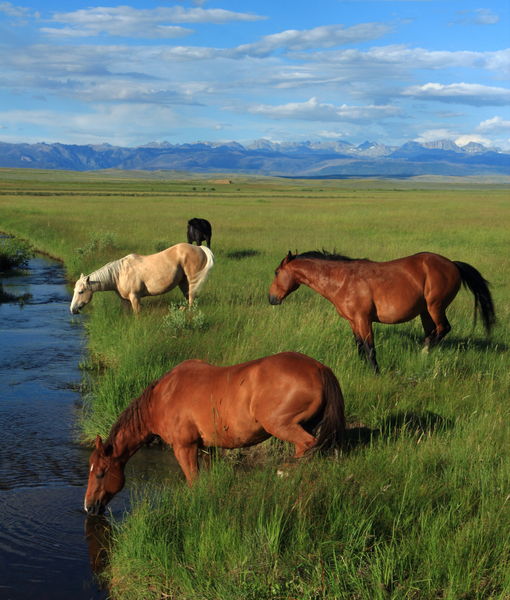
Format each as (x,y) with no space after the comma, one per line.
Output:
(263,157)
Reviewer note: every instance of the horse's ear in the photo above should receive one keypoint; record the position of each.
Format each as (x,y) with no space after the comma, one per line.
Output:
(87,279)
(108,450)
(288,258)
(99,443)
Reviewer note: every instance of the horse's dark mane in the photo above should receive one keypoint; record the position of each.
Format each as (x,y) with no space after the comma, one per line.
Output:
(322,255)
(132,417)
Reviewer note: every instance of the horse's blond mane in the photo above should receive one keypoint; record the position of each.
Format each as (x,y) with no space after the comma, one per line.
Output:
(109,273)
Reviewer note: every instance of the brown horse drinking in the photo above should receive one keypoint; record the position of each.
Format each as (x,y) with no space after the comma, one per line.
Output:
(136,276)
(289,395)
(364,291)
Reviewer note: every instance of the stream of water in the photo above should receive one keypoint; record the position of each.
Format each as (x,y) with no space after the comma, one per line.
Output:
(43,471)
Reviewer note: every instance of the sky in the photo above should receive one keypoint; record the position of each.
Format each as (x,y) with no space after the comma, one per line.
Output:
(136,72)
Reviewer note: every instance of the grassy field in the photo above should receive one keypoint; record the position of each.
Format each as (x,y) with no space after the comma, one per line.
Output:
(422,509)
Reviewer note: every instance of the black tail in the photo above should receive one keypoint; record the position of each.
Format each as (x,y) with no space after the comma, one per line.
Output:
(472,278)
(330,431)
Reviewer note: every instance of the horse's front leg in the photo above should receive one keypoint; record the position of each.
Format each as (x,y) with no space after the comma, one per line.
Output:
(187,457)
(135,303)
(364,336)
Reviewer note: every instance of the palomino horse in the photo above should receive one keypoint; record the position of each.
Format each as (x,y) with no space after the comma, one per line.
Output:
(289,395)
(135,276)
(199,230)
(390,292)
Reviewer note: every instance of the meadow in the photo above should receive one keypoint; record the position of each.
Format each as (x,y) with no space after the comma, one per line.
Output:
(419,506)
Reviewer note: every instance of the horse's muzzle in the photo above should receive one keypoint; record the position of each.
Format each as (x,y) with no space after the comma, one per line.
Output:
(274,300)
(95,509)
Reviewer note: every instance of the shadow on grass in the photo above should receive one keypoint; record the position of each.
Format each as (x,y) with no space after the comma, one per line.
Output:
(459,343)
(393,426)
(240,254)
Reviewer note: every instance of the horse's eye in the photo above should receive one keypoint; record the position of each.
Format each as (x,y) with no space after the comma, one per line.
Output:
(100,474)
(81,292)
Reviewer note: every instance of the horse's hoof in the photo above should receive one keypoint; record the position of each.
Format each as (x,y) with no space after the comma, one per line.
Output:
(285,468)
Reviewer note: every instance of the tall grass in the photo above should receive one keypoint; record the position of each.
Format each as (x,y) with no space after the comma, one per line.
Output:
(419,511)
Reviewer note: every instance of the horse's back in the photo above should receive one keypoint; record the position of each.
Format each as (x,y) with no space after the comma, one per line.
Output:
(237,398)
(195,372)
(417,267)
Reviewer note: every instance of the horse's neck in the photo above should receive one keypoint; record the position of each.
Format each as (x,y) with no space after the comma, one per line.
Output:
(317,275)
(131,431)
(105,278)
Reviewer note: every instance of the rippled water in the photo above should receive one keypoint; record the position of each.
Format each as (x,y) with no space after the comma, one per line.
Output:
(43,472)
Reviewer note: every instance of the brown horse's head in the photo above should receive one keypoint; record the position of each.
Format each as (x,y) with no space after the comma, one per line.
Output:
(284,281)
(106,478)
(82,294)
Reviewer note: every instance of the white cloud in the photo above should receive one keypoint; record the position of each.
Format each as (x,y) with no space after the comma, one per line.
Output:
(331,135)
(312,110)
(138,23)
(122,29)
(13,11)
(460,93)
(325,36)
(140,92)
(111,122)
(494,125)
(463,140)
(479,16)
(404,58)
(432,135)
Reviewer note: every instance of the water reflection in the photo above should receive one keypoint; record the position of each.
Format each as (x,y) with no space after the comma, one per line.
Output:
(8,297)
(98,532)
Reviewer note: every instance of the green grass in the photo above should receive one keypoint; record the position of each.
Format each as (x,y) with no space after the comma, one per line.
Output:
(423,510)
(14,254)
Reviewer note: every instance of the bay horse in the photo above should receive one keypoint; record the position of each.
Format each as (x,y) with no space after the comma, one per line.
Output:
(136,276)
(396,291)
(288,395)
(199,230)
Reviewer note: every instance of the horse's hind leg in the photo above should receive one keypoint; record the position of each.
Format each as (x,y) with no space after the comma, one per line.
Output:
(294,433)
(435,325)
(184,286)
(429,328)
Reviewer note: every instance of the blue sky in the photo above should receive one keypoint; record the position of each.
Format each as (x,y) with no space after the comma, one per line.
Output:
(131,73)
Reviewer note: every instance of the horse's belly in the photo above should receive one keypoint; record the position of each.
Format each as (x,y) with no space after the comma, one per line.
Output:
(154,287)
(399,310)
(234,435)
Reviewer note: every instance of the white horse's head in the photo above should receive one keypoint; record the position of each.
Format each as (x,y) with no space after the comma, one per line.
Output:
(82,294)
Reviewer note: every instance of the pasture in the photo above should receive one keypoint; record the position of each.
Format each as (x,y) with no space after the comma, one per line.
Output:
(419,507)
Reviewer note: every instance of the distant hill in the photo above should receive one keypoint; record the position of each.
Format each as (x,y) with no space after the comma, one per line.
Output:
(262,157)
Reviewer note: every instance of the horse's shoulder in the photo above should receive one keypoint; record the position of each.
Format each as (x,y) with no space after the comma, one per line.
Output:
(191,364)
(130,258)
